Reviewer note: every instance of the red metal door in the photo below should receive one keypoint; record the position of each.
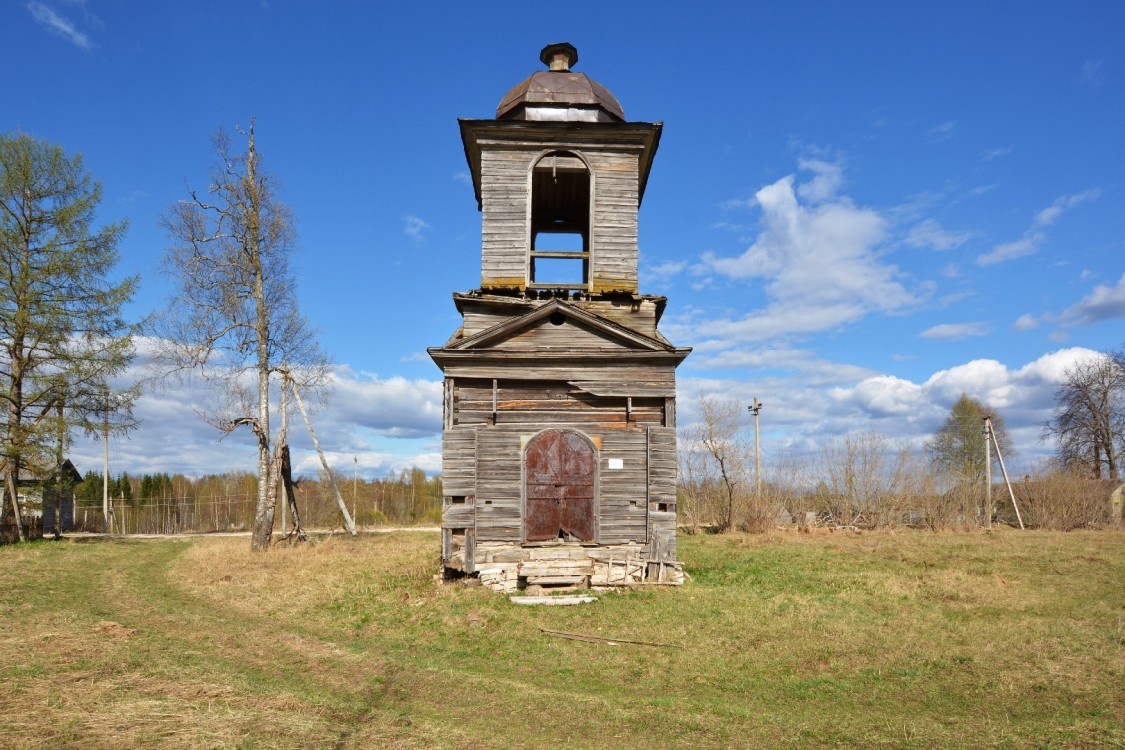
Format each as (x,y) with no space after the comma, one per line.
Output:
(561,469)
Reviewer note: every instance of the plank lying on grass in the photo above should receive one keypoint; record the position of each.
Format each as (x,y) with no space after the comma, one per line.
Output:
(600,639)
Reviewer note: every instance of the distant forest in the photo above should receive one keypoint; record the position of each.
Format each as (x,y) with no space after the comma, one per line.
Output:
(169,504)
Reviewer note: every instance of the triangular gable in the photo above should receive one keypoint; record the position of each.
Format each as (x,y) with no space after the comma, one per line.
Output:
(577,330)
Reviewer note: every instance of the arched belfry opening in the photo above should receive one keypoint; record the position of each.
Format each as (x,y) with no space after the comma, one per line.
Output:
(559,436)
(560,222)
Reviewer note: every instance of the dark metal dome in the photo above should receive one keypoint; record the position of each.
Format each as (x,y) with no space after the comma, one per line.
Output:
(559,94)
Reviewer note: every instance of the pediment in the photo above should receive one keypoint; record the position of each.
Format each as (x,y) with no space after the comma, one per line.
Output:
(560,327)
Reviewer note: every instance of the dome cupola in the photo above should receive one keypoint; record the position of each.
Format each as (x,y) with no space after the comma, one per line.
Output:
(558,94)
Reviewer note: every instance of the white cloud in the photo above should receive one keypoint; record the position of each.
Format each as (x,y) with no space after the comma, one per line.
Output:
(415,228)
(386,423)
(799,416)
(1026,245)
(57,24)
(821,263)
(1091,74)
(1103,303)
(883,396)
(1051,213)
(955,331)
(986,379)
(665,269)
(1025,394)
(392,407)
(827,178)
(132,197)
(1034,236)
(737,204)
(929,233)
(814,371)
(1025,322)
(999,151)
(942,131)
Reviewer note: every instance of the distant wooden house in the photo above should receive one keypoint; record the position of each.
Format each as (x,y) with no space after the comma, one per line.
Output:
(559,440)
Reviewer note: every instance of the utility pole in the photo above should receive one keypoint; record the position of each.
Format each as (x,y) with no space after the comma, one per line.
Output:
(999,457)
(105,464)
(754,409)
(986,430)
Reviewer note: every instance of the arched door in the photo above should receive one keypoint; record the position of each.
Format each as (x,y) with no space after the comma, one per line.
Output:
(561,473)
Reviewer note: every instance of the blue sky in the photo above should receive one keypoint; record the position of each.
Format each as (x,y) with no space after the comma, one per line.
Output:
(857,211)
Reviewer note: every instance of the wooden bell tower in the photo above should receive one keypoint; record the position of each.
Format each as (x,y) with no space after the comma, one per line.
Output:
(559,440)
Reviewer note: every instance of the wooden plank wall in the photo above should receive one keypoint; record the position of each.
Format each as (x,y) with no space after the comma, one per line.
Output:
(614,233)
(662,492)
(567,336)
(458,461)
(505,197)
(538,404)
(504,206)
(622,372)
(638,315)
(662,468)
(624,511)
(484,458)
(499,484)
(478,319)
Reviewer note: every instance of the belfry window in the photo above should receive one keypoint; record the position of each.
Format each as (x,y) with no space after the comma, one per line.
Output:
(560,223)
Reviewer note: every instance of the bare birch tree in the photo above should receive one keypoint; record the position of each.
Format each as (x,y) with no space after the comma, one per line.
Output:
(1089,420)
(719,466)
(234,321)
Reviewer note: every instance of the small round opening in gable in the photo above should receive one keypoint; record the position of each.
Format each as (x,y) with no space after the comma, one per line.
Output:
(557,318)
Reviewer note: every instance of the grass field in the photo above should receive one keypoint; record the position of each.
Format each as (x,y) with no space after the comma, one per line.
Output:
(1006,640)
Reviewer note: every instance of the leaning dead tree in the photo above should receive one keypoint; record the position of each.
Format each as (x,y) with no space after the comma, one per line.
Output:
(234,322)
(323,461)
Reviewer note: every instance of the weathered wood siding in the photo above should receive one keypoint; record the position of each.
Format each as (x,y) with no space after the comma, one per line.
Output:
(505,210)
(458,461)
(636,314)
(499,484)
(639,316)
(662,468)
(483,454)
(545,336)
(563,371)
(482,318)
(624,510)
(505,206)
(548,403)
(613,260)
(622,468)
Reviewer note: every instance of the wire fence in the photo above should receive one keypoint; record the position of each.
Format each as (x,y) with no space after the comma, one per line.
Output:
(318,509)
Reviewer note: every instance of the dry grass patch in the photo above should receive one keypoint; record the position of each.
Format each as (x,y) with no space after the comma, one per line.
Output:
(788,640)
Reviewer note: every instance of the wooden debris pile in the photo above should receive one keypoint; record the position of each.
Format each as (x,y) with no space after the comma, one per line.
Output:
(573,567)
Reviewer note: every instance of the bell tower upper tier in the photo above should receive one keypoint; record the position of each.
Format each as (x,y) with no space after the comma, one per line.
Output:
(559,176)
